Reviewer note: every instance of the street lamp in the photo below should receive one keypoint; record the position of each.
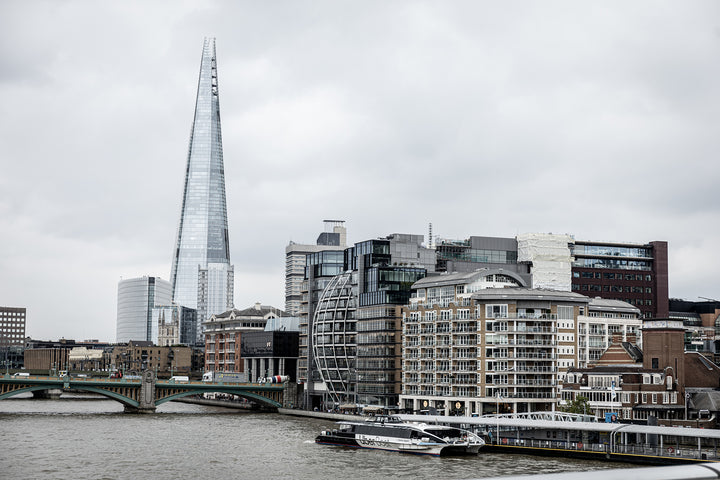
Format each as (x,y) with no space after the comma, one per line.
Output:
(497,417)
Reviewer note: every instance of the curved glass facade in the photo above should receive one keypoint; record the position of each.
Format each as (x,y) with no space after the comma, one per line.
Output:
(334,337)
(202,236)
(135,302)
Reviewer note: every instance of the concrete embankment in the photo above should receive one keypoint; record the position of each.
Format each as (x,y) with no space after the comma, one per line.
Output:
(325,415)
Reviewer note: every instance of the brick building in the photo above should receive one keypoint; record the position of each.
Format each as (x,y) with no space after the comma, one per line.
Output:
(138,356)
(661,381)
(630,272)
(223,335)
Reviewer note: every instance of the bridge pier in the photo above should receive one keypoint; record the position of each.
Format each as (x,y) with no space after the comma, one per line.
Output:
(290,399)
(146,396)
(131,409)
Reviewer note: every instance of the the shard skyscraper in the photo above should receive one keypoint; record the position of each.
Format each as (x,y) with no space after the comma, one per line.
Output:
(202,277)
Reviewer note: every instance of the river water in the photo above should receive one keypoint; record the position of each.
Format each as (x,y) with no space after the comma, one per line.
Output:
(79,437)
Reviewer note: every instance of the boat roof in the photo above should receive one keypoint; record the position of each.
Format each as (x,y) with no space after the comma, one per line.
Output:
(493,421)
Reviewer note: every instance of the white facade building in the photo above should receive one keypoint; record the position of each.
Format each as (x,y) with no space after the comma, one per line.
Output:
(550,258)
(603,319)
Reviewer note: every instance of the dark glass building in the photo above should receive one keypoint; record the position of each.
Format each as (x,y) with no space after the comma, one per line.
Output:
(633,273)
(356,327)
(269,353)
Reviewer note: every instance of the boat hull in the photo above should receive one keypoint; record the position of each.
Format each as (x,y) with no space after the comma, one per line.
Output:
(435,450)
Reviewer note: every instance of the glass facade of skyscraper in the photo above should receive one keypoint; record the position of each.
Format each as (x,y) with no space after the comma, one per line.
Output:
(202,237)
(135,302)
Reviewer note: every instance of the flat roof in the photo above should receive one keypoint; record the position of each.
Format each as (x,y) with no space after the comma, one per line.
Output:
(529,294)
(577,426)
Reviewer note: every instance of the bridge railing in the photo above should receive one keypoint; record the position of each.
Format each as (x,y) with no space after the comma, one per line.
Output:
(670,451)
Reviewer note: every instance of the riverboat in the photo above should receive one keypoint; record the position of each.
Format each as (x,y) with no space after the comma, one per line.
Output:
(394,434)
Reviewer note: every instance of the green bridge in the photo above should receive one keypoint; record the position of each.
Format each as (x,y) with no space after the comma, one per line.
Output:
(145,394)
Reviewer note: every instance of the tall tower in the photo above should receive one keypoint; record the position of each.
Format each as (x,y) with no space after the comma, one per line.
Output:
(202,243)
(135,302)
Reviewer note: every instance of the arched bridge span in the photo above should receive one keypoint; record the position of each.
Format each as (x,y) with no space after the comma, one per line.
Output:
(145,394)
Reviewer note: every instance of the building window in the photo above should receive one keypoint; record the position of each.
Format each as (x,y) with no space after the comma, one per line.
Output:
(655,363)
(496,311)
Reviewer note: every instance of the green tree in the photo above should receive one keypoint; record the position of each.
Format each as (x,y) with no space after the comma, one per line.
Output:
(579,405)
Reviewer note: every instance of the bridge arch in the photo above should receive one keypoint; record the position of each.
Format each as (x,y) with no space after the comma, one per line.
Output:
(242,393)
(112,395)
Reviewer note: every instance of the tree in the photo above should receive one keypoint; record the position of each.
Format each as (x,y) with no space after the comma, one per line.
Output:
(579,405)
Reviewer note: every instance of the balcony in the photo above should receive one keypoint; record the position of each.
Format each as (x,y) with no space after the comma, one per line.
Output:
(529,343)
(530,330)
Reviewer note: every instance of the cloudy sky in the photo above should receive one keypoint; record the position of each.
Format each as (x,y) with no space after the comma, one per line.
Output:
(598,119)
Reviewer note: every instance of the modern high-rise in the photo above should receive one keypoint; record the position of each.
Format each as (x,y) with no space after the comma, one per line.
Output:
(350,336)
(12,336)
(135,302)
(202,277)
(635,273)
(12,326)
(333,239)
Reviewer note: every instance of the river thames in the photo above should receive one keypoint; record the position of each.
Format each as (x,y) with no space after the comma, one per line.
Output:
(89,437)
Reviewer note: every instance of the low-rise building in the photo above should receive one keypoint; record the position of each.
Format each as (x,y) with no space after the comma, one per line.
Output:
(269,353)
(223,335)
(661,380)
(48,356)
(138,356)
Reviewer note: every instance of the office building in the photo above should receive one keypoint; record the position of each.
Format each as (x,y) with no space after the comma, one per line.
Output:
(12,327)
(269,353)
(635,273)
(353,336)
(631,272)
(12,336)
(202,277)
(333,239)
(135,302)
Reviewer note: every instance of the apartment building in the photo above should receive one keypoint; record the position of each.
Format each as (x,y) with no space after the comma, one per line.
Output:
(471,345)
(602,320)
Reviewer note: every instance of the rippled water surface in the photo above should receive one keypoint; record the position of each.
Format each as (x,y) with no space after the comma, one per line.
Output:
(77,437)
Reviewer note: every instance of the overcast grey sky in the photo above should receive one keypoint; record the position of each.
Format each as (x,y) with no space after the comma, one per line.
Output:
(598,119)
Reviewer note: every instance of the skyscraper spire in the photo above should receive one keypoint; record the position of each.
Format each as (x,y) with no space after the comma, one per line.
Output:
(201,275)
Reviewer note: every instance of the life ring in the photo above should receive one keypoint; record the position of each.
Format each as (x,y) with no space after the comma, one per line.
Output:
(671,450)
(580,445)
(504,441)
